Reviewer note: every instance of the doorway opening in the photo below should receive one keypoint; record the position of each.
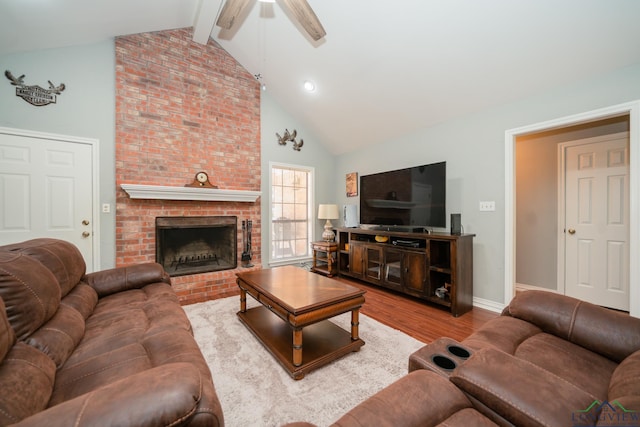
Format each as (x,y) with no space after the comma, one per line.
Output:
(607,117)
(541,231)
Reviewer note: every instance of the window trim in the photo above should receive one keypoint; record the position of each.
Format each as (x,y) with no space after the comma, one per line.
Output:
(311,200)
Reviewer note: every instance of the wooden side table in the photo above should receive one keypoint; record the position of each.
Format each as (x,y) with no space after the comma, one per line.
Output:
(324,257)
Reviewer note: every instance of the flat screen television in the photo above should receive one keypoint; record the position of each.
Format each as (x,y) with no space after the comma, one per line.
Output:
(410,198)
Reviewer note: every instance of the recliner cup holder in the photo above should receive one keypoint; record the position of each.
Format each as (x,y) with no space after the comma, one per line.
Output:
(443,362)
(458,351)
(443,356)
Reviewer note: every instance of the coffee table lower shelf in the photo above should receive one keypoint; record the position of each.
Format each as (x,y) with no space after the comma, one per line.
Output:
(322,342)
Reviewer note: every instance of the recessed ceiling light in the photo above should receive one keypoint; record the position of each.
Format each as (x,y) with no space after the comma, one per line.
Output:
(268,1)
(309,86)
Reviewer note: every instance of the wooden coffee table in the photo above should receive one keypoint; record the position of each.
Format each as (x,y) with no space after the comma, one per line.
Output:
(296,303)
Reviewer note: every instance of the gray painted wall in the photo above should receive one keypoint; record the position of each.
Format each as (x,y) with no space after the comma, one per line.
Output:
(474,148)
(536,212)
(86,108)
(275,119)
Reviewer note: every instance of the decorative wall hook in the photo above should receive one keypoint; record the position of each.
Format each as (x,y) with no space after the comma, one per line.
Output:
(35,95)
(282,140)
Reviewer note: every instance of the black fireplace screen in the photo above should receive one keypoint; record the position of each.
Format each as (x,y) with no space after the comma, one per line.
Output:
(196,244)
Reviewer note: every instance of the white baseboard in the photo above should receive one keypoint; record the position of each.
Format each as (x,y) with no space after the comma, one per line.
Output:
(488,304)
(498,307)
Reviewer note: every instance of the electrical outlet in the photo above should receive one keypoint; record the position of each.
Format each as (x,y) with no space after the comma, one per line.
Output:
(487,206)
(106,208)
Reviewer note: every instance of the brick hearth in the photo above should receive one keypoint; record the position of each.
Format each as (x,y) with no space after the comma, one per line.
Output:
(181,108)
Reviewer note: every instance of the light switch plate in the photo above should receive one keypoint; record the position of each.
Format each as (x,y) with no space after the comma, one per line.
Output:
(487,206)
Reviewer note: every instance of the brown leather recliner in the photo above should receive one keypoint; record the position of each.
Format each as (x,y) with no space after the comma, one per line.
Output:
(107,348)
(549,360)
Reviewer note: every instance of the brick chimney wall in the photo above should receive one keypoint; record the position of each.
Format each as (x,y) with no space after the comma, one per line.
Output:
(182,107)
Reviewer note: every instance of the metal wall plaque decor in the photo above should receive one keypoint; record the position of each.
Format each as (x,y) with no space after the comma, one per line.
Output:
(290,136)
(35,95)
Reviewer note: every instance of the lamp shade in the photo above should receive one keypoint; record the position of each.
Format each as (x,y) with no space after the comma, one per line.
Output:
(328,212)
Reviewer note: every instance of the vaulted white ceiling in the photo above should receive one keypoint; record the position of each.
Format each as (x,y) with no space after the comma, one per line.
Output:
(385,68)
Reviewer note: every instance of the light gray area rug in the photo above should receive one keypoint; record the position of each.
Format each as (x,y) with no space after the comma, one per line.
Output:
(256,391)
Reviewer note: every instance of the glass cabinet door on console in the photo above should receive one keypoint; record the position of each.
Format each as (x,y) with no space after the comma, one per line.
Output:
(393,268)
(373,263)
(406,270)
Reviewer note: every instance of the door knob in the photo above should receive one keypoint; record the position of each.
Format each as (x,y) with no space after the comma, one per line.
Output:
(571,231)
(85,222)
(85,234)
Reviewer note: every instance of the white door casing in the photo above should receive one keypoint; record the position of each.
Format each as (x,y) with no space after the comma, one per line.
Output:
(48,185)
(594,220)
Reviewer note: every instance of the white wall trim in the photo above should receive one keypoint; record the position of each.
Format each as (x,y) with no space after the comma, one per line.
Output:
(163,192)
(488,304)
(631,108)
(312,211)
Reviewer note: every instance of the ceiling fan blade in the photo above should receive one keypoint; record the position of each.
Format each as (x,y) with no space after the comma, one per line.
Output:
(230,11)
(306,17)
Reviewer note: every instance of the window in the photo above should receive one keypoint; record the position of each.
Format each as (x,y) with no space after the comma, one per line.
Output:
(291,202)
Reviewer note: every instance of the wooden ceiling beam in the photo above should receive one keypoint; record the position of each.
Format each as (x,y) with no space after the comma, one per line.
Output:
(204,20)
(230,11)
(306,17)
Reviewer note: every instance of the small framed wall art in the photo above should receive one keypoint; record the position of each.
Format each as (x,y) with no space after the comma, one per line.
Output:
(352,184)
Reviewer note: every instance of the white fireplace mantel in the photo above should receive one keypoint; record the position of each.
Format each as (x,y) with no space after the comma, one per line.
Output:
(161,192)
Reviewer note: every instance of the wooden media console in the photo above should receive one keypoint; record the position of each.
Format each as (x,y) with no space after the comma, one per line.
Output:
(436,267)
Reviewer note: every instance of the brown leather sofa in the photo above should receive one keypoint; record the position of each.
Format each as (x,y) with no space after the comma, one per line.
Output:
(107,348)
(548,360)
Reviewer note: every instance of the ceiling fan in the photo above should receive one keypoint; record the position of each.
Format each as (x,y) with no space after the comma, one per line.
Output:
(300,9)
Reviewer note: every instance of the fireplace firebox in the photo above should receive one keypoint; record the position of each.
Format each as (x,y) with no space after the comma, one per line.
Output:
(196,244)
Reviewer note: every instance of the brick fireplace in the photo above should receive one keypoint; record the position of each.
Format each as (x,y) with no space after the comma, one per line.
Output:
(188,245)
(182,108)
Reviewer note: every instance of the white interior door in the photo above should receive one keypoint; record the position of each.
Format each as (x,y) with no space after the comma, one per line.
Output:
(46,190)
(596,229)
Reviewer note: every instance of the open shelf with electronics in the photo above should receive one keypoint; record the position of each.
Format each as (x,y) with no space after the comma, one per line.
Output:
(436,267)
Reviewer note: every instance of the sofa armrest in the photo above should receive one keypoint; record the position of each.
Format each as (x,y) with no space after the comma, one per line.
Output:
(107,282)
(420,398)
(519,391)
(164,395)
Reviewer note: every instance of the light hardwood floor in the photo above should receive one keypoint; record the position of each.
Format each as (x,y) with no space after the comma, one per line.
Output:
(425,322)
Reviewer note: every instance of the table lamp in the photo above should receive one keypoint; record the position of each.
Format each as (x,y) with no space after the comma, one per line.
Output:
(328,212)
